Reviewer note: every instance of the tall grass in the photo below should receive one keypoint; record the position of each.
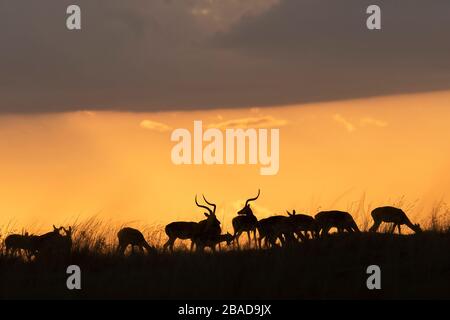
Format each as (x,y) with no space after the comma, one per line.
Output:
(335,267)
(100,236)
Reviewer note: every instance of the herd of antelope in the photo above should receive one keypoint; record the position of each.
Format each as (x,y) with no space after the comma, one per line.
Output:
(287,229)
(292,228)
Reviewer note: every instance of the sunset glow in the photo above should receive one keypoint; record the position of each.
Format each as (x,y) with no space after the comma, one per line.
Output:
(56,168)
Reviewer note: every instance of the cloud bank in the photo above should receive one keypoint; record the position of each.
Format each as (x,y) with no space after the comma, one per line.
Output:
(140,55)
(251,122)
(155,126)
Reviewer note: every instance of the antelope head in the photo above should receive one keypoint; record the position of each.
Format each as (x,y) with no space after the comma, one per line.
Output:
(229,238)
(246,210)
(57,230)
(68,232)
(211,214)
(417,228)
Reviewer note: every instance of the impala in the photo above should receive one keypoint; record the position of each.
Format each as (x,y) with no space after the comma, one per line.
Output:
(392,215)
(212,243)
(180,230)
(303,223)
(130,236)
(195,231)
(285,227)
(18,242)
(53,243)
(246,221)
(339,219)
(275,227)
(208,229)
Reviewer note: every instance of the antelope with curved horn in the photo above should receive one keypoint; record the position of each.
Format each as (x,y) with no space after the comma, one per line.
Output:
(339,219)
(392,215)
(246,221)
(130,236)
(208,230)
(195,231)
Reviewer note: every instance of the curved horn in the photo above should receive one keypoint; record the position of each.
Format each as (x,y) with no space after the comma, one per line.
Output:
(252,199)
(211,204)
(202,206)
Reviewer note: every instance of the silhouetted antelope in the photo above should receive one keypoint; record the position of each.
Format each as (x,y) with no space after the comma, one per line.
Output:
(303,223)
(15,243)
(338,219)
(208,229)
(53,244)
(246,221)
(392,215)
(180,230)
(195,231)
(212,243)
(130,236)
(284,228)
(275,227)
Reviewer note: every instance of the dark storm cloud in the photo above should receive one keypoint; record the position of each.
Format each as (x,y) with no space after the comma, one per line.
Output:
(140,55)
(324,51)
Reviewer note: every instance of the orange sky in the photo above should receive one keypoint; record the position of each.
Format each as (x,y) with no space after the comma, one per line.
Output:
(55,167)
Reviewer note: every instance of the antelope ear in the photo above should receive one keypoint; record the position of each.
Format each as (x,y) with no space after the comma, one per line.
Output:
(55,228)
(293,212)
(206,215)
(289,214)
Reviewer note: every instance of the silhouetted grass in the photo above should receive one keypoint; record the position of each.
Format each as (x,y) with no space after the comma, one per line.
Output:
(412,266)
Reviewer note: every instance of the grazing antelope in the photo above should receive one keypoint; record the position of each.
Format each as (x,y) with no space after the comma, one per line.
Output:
(275,227)
(195,231)
(338,219)
(53,243)
(392,215)
(212,243)
(246,221)
(17,242)
(303,223)
(129,236)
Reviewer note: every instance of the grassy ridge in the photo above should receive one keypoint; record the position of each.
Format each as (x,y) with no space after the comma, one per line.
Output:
(412,266)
